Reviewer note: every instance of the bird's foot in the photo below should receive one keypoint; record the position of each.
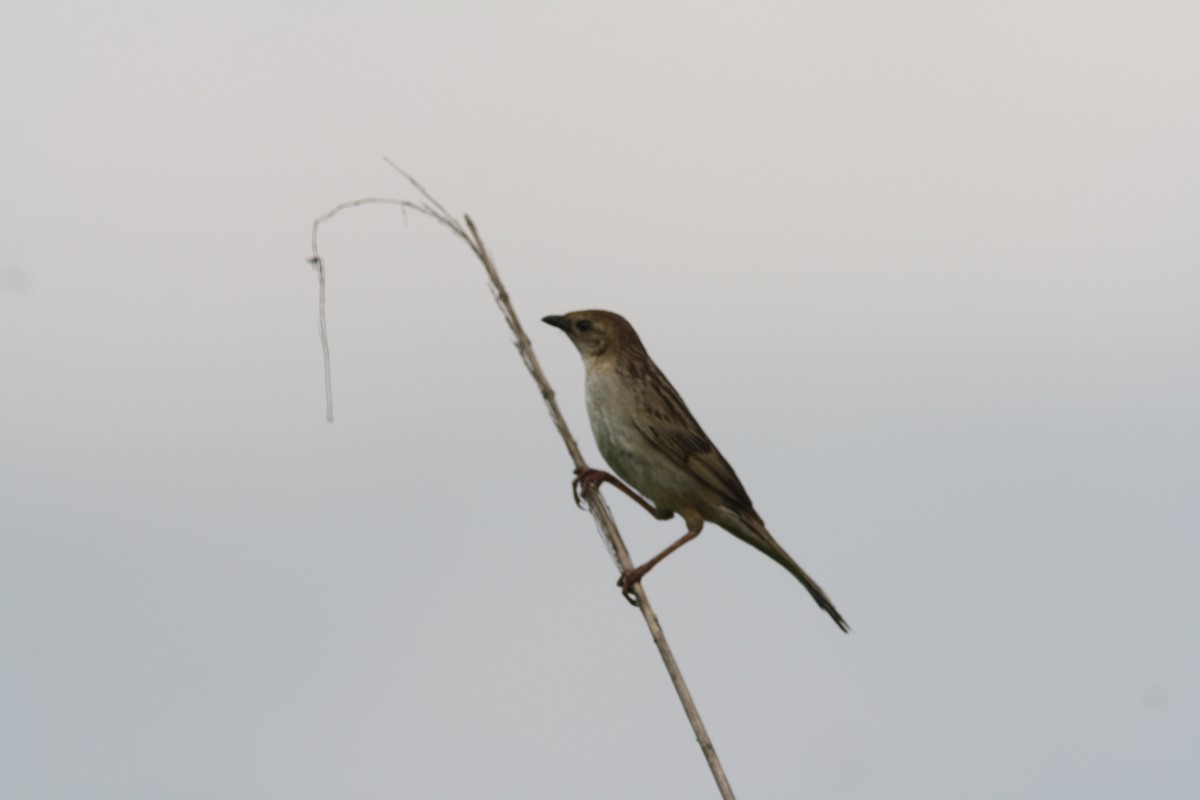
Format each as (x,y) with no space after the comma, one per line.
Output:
(586,478)
(630,578)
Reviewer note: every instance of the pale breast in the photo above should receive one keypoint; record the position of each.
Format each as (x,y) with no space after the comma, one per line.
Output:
(633,457)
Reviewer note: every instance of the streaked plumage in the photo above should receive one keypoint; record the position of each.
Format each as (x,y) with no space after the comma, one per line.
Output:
(650,439)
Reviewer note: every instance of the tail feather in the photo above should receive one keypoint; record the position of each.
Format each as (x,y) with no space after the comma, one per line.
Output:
(751,530)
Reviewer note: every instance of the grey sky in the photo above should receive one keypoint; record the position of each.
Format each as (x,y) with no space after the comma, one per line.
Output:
(926,272)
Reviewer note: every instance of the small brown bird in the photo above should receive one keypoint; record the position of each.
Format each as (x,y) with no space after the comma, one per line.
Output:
(649,438)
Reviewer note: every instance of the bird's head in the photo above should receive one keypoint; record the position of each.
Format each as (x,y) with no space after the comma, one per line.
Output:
(596,333)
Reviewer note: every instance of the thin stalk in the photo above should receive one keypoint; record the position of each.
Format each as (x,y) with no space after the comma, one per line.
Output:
(469,234)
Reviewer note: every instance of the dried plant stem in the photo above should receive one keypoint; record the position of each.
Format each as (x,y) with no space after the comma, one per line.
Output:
(600,513)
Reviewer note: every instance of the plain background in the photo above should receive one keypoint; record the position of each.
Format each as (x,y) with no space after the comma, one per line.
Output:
(928,273)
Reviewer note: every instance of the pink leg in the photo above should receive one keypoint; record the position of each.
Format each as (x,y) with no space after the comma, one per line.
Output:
(633,576)
(586,478)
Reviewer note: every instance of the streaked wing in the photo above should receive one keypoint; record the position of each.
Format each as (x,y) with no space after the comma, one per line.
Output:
(663,418)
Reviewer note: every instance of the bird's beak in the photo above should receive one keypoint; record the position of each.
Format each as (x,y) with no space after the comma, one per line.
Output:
(558,322)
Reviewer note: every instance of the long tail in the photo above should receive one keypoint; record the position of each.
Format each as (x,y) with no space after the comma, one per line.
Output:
(751,530)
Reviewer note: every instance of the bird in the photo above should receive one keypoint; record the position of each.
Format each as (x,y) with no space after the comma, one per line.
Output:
(652,442)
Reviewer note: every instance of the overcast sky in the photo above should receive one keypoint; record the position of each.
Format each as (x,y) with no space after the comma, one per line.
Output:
(928,273)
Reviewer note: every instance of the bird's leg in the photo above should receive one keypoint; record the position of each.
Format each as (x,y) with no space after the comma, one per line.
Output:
(632,576)
(586,477)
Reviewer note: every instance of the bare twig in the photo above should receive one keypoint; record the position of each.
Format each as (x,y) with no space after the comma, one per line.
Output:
(600,513)
(319,266)
(320,269)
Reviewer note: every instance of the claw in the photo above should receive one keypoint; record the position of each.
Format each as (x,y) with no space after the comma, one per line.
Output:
(629,579)
(584,478)
(575,491)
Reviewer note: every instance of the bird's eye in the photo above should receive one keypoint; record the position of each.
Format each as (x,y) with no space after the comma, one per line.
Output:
(583,326)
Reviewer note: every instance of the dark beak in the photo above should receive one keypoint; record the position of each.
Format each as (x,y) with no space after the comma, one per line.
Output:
(558,322)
